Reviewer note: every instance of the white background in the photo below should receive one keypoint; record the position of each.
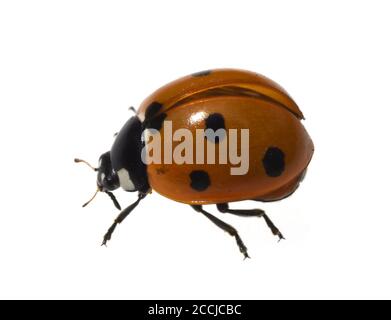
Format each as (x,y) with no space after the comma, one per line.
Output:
(70,69)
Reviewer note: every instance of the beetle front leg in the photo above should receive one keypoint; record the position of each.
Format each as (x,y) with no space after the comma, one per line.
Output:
(121,217)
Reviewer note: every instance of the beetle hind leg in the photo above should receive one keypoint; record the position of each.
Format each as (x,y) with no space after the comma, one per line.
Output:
(226,227)
(224,208)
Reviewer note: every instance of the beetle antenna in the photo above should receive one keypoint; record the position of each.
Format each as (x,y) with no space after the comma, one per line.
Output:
(93,197)
(83,161)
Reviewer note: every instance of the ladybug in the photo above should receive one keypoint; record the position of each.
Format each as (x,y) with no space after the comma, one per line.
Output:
(279,147)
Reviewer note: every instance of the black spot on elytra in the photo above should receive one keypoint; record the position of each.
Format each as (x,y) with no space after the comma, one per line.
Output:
(200,180)
(274,161)
(156,122)
(202,73)
(152,109)
(214,121)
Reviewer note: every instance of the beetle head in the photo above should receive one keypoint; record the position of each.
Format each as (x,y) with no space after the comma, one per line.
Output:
(107,178)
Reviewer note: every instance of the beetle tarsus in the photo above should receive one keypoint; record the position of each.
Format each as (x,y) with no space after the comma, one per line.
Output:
(273,228)
(107,236)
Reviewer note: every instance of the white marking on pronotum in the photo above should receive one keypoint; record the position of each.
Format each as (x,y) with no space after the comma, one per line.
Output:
(124,180)
(141,116)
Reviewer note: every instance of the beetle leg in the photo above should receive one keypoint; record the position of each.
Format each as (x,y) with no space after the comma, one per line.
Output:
(121,217)
(226,227)
(114,199)
(223,207)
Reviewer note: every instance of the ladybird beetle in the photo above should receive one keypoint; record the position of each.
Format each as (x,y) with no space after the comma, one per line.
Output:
(279,147)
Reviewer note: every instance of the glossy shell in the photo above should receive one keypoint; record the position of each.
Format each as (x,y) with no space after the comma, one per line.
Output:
(203,82)
(280,148)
